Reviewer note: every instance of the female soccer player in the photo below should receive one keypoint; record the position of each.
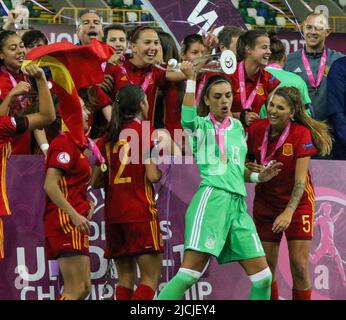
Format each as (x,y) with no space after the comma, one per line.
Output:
(251,84)
(216,222)
(11,126)
(66,223)
(133,234)
(286,203)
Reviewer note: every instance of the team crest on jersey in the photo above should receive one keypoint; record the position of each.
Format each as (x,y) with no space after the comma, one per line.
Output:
(63,157)
(210,242)
(287,149)
(260,90)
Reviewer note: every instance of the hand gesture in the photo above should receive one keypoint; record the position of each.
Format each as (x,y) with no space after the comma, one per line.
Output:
(188,69)
(282,221)
(34,71)
(91,210)
(21,88)
(254,167)
(107,84)
(82,223)
(270,171)
(210,40)
(250,117)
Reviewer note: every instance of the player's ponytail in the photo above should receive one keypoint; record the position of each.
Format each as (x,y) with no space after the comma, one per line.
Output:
(126,107)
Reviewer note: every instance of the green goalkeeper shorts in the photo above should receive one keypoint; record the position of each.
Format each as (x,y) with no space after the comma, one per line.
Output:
(217,223)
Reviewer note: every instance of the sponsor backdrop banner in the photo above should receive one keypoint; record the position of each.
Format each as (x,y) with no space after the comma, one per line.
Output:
(292,40)
(25,273)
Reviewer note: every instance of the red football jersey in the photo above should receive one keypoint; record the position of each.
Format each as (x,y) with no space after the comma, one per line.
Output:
(172,106)
(20,144)
(135,75)
(277,192)
(129,194)
(65,155)
(267,84)
(9,127)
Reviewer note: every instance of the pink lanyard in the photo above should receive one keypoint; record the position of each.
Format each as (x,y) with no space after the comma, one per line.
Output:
(200,88)
(220,131)
(274,65)
(96,151)
(246,104)
(146,81)
(321,68)
(21,99)
(265,160)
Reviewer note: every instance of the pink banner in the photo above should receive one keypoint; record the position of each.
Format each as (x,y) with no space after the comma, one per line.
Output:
(25,273)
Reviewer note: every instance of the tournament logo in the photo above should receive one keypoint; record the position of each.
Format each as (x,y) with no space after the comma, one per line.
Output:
(63,157)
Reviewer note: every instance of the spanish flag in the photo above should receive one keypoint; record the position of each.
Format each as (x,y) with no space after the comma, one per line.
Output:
(72,67)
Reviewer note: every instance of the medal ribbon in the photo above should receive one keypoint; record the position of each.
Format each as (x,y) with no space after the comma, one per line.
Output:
(265,160)
(315,83)
(246,104)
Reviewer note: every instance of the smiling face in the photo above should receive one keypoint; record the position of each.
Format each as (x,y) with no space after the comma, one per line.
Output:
(315,32)
(279,112)
(219,100)
(90,28)
(146,47)
(260,53)
(117,40)
(12,53)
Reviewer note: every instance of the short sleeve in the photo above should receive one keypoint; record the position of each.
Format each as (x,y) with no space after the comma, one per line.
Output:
(61,156)
(10,126)
(103,99)
(304,146)
(272,82)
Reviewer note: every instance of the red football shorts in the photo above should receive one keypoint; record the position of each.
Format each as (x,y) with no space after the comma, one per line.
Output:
(71,242)
(301,227)
(128,239)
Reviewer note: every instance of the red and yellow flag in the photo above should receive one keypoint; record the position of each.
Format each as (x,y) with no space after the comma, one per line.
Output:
(72,67)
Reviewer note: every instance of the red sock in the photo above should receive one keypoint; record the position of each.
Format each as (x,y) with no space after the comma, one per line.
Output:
(274,294)
(301,294)
(143,292)
(122,293)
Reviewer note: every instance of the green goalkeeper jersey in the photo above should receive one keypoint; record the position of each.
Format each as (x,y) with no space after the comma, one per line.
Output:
(214,170)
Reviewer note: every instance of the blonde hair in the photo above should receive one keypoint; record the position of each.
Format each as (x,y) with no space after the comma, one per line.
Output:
(318,14)
(320,131)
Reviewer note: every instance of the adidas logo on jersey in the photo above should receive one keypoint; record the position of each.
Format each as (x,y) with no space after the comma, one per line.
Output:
(297,70)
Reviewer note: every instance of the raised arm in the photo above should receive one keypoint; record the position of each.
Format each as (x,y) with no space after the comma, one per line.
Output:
(46,113)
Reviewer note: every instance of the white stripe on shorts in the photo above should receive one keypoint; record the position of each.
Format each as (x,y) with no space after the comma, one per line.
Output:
(196,230)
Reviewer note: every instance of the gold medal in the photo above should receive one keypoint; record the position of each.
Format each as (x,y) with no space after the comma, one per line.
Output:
(103,167)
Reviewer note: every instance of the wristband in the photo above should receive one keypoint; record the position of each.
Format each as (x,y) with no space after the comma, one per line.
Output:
(254,177)
(190,86)
(44,147)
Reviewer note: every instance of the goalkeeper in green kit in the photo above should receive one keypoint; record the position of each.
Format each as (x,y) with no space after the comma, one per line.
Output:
(217,223)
